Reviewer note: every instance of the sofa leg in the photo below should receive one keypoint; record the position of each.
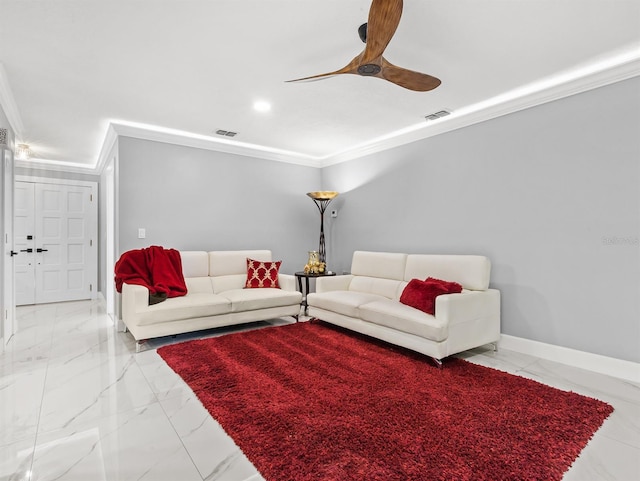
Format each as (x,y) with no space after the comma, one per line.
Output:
(495,346)
(139,345)
(438,362)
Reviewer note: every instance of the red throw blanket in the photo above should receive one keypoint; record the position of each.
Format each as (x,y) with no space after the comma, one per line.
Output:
(156,268)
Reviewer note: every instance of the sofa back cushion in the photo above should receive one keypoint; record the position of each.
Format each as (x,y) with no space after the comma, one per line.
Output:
(385,265)
(228,283)
(470,271)
(198,285)
(194,264)
(225,263)
(374,285)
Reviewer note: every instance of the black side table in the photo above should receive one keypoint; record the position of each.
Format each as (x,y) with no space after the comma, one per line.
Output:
(299,276)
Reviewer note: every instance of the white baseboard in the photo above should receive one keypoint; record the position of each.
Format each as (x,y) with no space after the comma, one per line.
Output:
(610,366)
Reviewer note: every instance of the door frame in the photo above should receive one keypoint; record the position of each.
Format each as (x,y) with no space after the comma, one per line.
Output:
(8,325)
(110,188)
(93,226)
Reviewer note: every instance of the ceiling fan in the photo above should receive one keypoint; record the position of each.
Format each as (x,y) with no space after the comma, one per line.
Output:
(384,17)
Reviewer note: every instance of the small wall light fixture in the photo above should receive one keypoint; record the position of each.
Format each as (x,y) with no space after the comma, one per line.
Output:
(23,152)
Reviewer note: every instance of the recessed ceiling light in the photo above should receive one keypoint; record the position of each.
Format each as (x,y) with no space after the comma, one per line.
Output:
(262,106)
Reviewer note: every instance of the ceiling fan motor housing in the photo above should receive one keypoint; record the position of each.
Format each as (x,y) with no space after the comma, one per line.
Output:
(369,69)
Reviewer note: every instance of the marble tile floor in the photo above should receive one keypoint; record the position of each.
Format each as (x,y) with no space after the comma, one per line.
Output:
(77,403)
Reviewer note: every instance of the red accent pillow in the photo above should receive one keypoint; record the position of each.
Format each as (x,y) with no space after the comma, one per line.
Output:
(453,287)
(262,274)
(422,294)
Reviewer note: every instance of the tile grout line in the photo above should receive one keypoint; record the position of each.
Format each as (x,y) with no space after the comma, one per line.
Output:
(205,477)
(155,394)
(44,384)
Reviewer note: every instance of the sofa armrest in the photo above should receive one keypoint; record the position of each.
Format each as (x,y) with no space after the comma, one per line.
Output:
(468,306)
(333,283)
(287,282)
(134,299)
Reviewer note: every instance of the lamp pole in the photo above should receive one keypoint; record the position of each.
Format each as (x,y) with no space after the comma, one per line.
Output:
(322,200)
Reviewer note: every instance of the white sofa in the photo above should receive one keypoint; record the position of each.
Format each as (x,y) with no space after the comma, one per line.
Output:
(368,301)
(216,297)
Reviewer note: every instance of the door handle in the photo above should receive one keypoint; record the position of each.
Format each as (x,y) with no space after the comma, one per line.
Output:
(26,250)
(13,253)
(42,250)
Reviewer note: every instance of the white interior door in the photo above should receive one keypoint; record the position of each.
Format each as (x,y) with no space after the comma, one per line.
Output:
(63,241)
(24,232)
(60,262)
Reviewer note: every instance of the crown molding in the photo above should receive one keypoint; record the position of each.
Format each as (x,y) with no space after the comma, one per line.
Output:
(8,104)
(56,166)
(612,70)
(186,139)
(574,82)
(110,141)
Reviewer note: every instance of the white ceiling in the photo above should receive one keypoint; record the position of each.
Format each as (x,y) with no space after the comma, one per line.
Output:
(180,70)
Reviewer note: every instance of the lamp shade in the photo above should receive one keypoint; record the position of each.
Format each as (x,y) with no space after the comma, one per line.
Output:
(323,195)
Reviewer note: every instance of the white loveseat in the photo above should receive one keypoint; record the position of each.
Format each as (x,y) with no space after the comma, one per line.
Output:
(368,301)
(216,297)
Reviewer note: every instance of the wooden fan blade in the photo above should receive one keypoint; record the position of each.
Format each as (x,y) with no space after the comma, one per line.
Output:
(384,17)
(420,82)
(352,67)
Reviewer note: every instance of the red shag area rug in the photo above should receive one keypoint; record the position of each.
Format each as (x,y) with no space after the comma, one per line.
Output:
(310,401)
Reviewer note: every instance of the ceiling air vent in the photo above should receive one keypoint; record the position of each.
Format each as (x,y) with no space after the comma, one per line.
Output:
(437,115)
(226,133)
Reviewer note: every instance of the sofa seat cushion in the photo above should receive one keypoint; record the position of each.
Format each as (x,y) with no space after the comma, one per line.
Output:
(342,302)
(264,298)
(396,315)
(186,307)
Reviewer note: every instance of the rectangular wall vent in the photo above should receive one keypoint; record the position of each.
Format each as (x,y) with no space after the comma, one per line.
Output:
(437,115)
(226,133)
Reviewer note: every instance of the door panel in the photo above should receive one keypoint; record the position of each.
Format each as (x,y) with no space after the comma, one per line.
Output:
(64,238)
(24,227)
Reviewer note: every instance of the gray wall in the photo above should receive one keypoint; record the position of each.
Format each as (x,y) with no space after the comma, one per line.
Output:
(550,194)
(194,199)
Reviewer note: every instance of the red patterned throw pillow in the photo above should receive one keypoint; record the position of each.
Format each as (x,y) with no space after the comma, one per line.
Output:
(262,274)
(422,294)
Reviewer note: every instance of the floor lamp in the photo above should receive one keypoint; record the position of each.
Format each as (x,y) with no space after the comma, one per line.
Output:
(322,200)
